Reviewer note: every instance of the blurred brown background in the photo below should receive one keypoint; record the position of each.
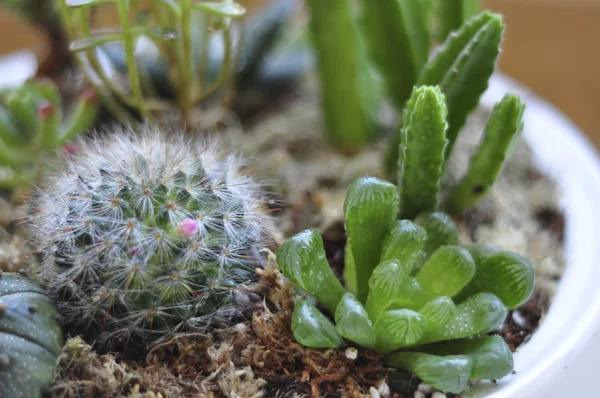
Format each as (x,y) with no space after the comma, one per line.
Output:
(550,45)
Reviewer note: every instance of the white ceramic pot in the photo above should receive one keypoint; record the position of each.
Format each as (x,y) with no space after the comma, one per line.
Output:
(562,357)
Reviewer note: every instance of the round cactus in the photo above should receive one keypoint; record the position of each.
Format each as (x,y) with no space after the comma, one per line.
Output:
(30,337)
(147,236)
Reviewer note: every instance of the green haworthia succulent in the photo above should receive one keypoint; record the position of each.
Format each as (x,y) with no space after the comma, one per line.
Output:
(32,127)
(412,286)
(30,337)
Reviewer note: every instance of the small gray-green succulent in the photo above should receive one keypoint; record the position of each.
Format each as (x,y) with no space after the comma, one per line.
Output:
(32,128)
(30,337)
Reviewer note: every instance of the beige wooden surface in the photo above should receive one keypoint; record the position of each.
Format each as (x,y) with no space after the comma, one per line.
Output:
(550,45)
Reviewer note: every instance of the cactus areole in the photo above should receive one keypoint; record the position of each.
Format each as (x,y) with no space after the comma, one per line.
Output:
(30,337)
(143,237)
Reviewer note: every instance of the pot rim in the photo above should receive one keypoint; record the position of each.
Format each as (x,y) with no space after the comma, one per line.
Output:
(561,151)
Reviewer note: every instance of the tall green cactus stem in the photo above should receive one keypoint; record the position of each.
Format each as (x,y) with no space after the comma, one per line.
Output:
(503,126)
(32,128)
(455,296)
(449,15)
(343,74)
(143,236)
(397,37)
(371,205)
(30,337)
(422,149)
(463,67)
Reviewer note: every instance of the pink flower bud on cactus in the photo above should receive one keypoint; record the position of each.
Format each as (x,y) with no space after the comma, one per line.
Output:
(188,227)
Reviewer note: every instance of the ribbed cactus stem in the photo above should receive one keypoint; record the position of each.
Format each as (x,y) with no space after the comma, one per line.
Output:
(397,36)
(463,67)
(503,126)
(449,15)
(343,75)
(422,146)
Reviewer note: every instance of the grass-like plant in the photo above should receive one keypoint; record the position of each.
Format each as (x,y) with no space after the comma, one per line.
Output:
(179,34)
(409,287)
(32,127)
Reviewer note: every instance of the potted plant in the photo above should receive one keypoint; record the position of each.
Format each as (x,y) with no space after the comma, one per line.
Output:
(160,252)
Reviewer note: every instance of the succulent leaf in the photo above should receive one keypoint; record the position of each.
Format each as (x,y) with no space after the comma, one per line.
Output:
(313,329)
(352,321)
(448,373)
(503,126)
(371,205)
(463,67)
(403,243)
(438,312)
(302,259)
(384,285)
(397,37)
(422,146)
(32,128)
(399,328)
(490,355)
(349,270)
(448,270)
(478,314)
(507,275)
(440,230)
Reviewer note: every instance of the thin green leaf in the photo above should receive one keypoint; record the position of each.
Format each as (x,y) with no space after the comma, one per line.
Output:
(448,271)
(313,329)
(86,3)
(503,127)
(352,322)
(94,42)
(478,314)
(450,373)
(370,209)
(422,148)
(221,8)
(399,328)
(302,260)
